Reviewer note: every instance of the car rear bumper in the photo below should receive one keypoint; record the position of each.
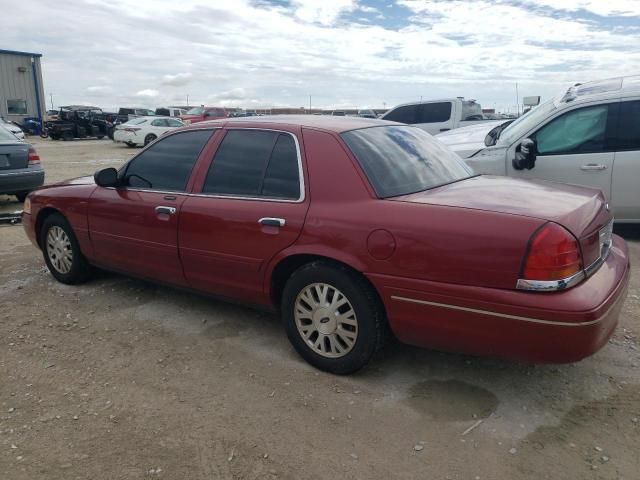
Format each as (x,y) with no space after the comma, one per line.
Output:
(120,136)
(540,327)
(20,180)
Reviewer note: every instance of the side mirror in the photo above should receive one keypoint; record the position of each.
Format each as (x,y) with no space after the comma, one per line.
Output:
(525,155)
(106,177)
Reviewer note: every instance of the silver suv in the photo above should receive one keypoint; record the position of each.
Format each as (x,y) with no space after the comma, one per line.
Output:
(588,135)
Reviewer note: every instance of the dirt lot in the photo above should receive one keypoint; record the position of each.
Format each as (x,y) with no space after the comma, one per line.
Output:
(122,379)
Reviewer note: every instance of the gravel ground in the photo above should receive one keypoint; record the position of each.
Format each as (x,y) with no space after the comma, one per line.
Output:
(123,379)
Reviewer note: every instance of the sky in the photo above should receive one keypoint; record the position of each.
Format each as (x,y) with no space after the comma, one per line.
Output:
(330,53)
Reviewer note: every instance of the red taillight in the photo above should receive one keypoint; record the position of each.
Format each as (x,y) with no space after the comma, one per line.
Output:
(554,254)
(34,158)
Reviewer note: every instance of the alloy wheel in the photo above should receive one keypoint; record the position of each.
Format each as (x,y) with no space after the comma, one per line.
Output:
(326,320)
(59,249)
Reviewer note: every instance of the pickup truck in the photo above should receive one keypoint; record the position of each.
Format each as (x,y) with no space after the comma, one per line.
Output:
(588,135)
(200,114)
(435,116)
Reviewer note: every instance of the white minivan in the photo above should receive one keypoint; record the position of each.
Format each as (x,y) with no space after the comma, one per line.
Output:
(589,136)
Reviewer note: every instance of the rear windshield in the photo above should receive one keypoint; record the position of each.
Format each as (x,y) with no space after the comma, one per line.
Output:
(137,121)
(195,111)
(399,160)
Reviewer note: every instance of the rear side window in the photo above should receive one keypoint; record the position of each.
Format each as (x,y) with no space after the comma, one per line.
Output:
(167,164)
(434,112)
(159,123)
(407,114)
(255,163)
(399,160)
(281,177)
(627,135)
(578,131)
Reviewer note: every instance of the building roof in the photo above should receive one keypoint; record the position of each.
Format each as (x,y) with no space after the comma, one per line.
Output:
(323,122)
(22,54)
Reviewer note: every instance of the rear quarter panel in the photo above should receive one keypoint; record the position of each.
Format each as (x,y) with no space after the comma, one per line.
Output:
(421,241)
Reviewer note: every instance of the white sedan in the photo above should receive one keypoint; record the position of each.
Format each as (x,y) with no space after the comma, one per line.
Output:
(144,130)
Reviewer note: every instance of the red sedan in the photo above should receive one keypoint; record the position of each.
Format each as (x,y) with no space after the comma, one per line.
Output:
(349,228)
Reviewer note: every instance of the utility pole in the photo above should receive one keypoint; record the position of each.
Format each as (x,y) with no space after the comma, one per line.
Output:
(187,99)
(309,103)
(51,96)
(517,101)
(420,98)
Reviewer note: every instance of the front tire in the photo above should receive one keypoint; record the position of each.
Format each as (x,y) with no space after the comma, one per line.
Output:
(333,317)
(62,252)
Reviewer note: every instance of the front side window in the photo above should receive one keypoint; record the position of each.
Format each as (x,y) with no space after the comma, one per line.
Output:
(16,107)
(407,114)
(579,131)
(627,135)
(167,164)
(434,112)
(399,160)
(255,163)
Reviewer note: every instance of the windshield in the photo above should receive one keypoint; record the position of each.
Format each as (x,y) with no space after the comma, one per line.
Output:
(399,160)
(195,111)
(526,122)
(6,135)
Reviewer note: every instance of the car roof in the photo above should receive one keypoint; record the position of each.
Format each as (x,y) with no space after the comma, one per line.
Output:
(606,88)
(321,122)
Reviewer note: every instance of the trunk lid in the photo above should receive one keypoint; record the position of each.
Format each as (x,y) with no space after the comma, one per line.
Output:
(14,155)
(581,210)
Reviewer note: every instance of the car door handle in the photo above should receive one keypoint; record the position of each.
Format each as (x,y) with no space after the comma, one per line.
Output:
(593,166)
(272,222)
(166,210)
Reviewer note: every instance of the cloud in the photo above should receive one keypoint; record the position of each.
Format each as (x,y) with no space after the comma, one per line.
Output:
(177,80)
(265,53)
(147,92)
(99,89)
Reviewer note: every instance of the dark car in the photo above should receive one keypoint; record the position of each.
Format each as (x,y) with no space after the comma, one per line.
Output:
(349,227)
(20,169)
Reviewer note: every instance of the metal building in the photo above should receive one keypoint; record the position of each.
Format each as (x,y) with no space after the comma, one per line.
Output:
(21,90)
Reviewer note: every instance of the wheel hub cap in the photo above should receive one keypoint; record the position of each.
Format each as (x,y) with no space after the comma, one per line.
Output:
(326,320)
(59,249)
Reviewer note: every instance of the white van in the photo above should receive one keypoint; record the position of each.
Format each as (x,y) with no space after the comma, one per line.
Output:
(435,116)
(589,136)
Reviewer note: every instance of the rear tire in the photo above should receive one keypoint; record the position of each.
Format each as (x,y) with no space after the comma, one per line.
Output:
(62,252)
(130,144)
(149,138)
(333,317)
(21,196)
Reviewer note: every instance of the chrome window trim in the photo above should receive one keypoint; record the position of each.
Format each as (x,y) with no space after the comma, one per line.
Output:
(301,182)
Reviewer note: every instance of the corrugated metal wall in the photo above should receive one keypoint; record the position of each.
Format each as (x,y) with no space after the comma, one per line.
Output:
(16,85)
